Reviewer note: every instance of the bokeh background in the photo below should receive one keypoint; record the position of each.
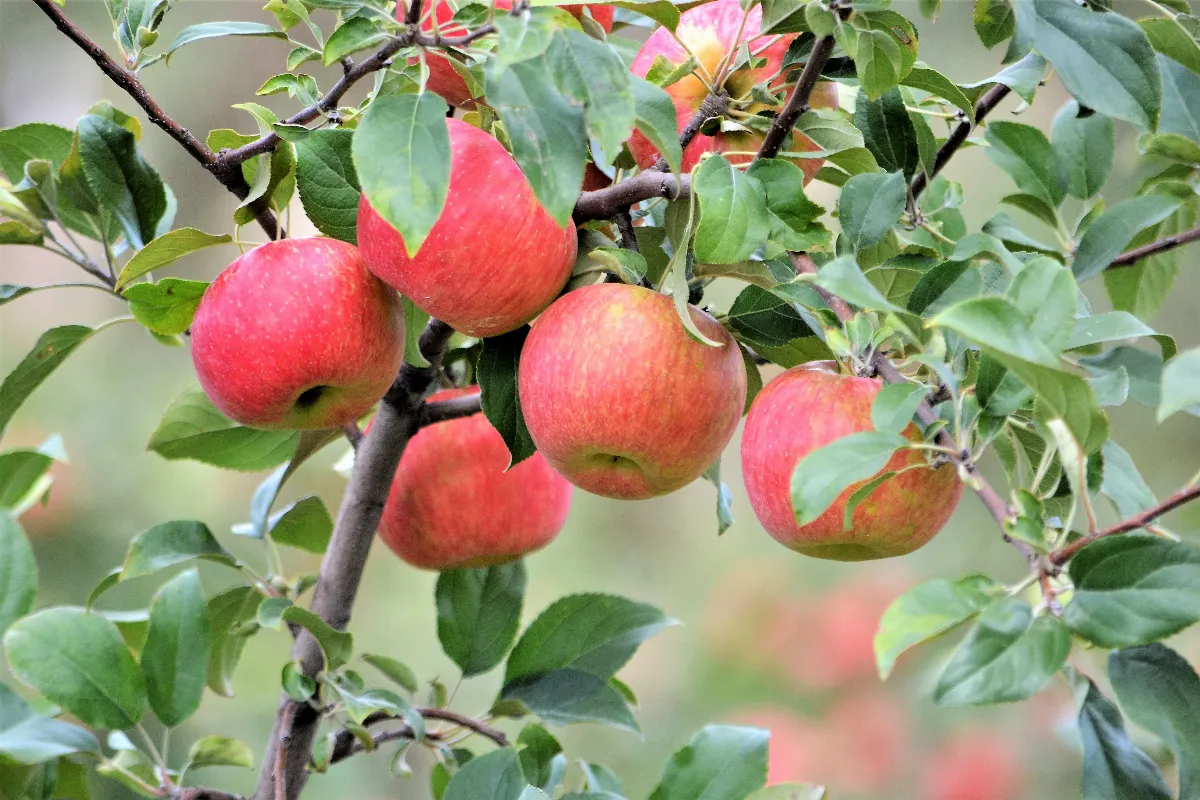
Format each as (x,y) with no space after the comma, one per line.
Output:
(768,637)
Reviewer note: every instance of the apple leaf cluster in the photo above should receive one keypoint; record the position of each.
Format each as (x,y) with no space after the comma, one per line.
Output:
(664,172)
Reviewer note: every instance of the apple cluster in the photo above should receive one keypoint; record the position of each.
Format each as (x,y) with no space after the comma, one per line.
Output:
(619,399)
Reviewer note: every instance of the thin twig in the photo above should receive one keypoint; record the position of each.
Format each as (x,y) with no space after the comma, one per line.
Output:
(1182,497)
(353,433)
(798,103)
(1131,257)
(991,98)
(714,105)
(346,744)
(470,723)
(624,223)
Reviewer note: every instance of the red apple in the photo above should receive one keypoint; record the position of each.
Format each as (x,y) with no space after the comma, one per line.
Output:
(710,31)
(445,80)
(297,334)
(620,399)
(795,750)
(864,743)
(974,765)
(808,407)
(453,505)
(494,259)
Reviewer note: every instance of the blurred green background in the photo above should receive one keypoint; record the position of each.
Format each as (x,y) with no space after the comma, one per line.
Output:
(768,636)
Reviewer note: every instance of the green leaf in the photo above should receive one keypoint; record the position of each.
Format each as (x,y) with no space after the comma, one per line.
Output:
(1104,59)
(596,633)
(893,408)
(762,318)
(722,762)
(927,611)
(124,184)
(172,543)
(1172,39)
(166,307)
(79,661)
(497,376)
(1159,691)
(37,739)
(1142,287)
(793,218)
(1122,483)
(733,213)
(938,85)
(478,611)
(568,696)
(656,120)
(398,672)
(495,775)
(401,152)
(1112,326)
(1045,292)
(843,278)
(328,183)
(166,250)
(628,265)
(888,132)
(821,476)
(18,573)
(870,205)
(1180,384)
(305,525)
(1084,145)
(353,35)
(724,495)
(337,645)
(541,756)
(878,57)
(1023,77)
(219,751)
(994,21)
(1028,157)
(51,349)
(1008,656)
(1133,589)
(1114,767)
(1109,234)
(175,655)
(299,87)
(790,791)
(32,141)
(20,232)
(996,323)
(546,131)
(591,76)
(227,613)
(520,37)
(213,30)
(192,428)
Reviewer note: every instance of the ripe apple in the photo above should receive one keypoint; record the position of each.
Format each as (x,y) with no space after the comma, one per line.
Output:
(297,334)
(808,407)
(864,743)
(710,31)
(620,399)
(794,753)
(453,505)
(444,79)
(494,259)
(974,765)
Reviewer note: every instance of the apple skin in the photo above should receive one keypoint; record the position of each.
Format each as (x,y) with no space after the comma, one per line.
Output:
(452,505)
(444,79)
(620,399)
(297,334)
(975,764)
(493,260)
(808,407)
(710,31)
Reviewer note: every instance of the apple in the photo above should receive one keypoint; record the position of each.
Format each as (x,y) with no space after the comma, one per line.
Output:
(864,743)
(808,407)
(710,31)
(794,753)
(297,334)
(445,79)
(452,504)
(493,260)
(620,399)
(974,765)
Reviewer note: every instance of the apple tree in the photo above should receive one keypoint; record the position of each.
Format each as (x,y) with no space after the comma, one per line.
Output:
(522,208)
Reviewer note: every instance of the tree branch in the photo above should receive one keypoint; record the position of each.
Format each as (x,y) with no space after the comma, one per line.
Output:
(1131,257)
(714,105)
(797,104)
(445,410)
(231,179)
(346,744)
(1182,497)
(341,570)
(203,794)
(604,203)
(991,98)
(471,724)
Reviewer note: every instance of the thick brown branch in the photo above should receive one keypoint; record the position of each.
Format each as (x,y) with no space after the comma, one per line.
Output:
(604,203)
(1131,257)
(231,179)
(1182,497)
(713,106)
(455,407)
(991,98)
(797,104)
(341,571)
